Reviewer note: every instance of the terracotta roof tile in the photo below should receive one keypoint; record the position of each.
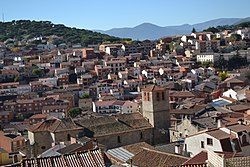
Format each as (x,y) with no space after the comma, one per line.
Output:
(87,158)
(238,107)
(199,158)
(182,94)
(122,122)
(38,116)
(193,110)
(150,157)
(229,99)
(153,88)
(239,128)
(54,125)
(137,147)
(219,134)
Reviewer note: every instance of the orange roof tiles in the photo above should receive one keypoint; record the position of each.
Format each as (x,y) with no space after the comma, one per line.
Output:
(197,159)
(38,116)
(149,157)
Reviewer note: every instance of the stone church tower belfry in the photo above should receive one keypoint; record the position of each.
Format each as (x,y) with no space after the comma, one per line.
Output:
(155,108)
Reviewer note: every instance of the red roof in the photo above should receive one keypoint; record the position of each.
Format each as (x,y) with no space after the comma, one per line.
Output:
(228,98)
(197,159)
(38,116)
(182,94)
(153,88)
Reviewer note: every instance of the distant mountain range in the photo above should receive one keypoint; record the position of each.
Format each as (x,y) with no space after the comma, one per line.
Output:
(152,31)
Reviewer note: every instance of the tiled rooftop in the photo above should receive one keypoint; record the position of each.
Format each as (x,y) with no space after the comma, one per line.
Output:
(87,159)
(121,122)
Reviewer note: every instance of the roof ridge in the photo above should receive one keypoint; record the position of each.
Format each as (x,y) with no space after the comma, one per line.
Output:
(165,153)
(57,125)
(34,126)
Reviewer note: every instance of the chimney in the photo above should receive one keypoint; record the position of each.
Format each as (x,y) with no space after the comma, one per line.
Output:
(219,123)
(177,148)
(240,122)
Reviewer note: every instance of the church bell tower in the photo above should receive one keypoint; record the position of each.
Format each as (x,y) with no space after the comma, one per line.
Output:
(155,108)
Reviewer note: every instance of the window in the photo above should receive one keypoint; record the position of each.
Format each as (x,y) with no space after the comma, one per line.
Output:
(145,96)
(141,135)
(209,141)
(158,96)
(244,139)
(118,139)
(202,144)
(163,95)
(68,137)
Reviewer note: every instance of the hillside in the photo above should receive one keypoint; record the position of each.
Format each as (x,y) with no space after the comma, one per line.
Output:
(26,29)
(151,31)
(231,27)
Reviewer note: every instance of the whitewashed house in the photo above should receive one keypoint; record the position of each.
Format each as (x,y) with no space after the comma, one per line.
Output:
(237,95)
(233,138)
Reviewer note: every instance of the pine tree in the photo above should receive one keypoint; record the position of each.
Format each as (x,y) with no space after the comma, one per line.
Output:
(193,30)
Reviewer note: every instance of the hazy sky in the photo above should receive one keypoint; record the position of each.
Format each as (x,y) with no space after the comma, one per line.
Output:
(106,14)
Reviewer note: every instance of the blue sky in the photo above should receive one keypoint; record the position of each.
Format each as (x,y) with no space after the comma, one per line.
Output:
(106,14)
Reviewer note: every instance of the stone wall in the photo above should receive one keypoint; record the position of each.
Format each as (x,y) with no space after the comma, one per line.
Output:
(86,104)
(65,136)
(42,142)
(238,161)
(125,138)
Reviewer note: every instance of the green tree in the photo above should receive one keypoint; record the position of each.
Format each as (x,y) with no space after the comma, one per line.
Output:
(73,112)
(212,29)
(37,72)
(223,75)
(236,62)
(243,25)
(207,64)
(221,63)
(235,37)
(16,79)
(73,78)
(171,46)
(193,30)
(84,96)
(26,29)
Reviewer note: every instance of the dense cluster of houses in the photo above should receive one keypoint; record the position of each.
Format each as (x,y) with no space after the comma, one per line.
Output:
(137,101)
